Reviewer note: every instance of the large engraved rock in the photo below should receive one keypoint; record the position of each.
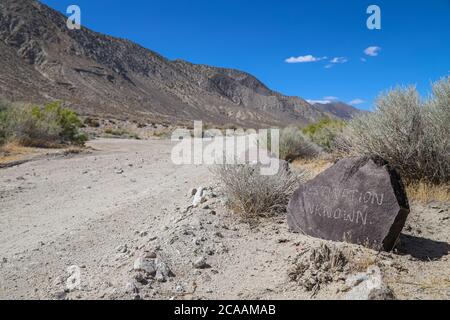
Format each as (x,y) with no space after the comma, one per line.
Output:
(358,200)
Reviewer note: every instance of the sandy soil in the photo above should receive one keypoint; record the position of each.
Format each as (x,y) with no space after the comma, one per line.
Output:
(98,212)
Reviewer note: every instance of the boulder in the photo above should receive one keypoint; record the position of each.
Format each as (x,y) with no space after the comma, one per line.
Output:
(359,200)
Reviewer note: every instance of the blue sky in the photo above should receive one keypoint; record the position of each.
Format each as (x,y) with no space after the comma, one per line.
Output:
(259,36)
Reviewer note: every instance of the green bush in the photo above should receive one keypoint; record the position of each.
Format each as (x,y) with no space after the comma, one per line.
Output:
(40,127)
(324,132)
(412,134)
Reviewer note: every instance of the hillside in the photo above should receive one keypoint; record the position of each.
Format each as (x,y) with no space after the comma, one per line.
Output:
(105,76)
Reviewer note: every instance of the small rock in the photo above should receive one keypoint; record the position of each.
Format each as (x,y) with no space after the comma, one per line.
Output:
(130,287)
(201,263)
(146,265)
(143,233)
(149,254)
(198,197)
(356,279)
(209,251)
(119,171)
(122,248)
(60,295)
(73,282)
(179,289)
(193,191)
(162,271)
(368,286)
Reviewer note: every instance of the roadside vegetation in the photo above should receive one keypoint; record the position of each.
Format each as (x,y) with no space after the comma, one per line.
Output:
(325,132)
(411,133)
(253,195)
(46,126)
(121,133)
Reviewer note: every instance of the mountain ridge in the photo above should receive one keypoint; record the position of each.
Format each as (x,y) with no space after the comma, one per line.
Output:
(102,75)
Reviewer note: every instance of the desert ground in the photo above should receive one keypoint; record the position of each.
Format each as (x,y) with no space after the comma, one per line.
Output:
(106,210)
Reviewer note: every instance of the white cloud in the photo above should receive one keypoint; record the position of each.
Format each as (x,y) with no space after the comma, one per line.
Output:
(304,59)
(372,51)
(328,66)
(363,59)
(356,102)
(318,101)
(339,60)
(325,100)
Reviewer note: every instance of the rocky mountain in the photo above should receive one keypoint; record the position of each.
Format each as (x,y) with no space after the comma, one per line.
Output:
(96,74)
(338,109)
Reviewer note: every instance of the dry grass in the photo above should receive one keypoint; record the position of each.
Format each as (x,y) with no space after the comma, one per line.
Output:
(13,151)
(424,193)
(312,166)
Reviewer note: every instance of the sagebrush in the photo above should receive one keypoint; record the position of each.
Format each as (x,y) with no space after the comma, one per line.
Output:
(251,194)
(409,132)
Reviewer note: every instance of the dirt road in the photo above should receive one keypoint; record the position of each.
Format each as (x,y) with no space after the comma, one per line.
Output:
(97,213)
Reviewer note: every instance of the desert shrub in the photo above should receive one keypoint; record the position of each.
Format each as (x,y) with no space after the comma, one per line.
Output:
(41,127)
(293,145)
(91,122)
(2,123)
(122,133)
(324,132)
(251,194)
(413,135)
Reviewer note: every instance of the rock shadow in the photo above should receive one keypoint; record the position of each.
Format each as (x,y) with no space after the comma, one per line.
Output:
(422,248)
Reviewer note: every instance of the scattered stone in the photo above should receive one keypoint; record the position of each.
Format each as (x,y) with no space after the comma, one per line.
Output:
(73,281)
(201,263)
(179,289)
(369,286)
(122,248)
(146,265)
(212,212)
(130,287)
(149,254)
(162,271)
(119,171)
(193,192)
(356,279)
(199,197)
(143,233)
(358,200)
(60,295)
(141,278)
